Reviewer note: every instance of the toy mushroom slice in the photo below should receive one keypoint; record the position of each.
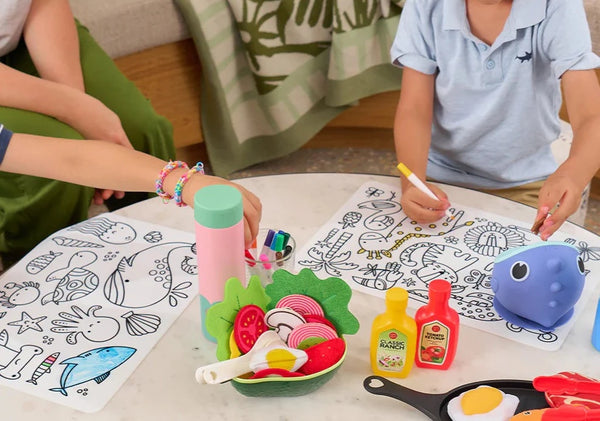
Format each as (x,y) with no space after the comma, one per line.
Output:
(283,320)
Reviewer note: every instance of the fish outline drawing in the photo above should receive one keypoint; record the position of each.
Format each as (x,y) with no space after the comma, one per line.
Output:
(43,368)
(95,364)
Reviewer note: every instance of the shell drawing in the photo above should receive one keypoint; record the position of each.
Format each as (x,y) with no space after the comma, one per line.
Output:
(153,237)
(141,324)
(71,242)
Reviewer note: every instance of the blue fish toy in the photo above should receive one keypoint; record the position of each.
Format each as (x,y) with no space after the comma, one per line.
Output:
(95,364)
(537,286)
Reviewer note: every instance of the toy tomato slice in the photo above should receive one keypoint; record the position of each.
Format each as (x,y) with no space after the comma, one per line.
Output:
(249,324)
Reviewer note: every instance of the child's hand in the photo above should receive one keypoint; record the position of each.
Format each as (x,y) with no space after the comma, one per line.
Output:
(559,190)
(421,208)
(251,203)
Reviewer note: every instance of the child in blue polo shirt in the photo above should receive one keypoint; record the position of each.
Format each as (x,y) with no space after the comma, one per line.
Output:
(480,100)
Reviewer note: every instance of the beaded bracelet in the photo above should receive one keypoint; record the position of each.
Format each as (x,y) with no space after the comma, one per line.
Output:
(161,178)
(198,168)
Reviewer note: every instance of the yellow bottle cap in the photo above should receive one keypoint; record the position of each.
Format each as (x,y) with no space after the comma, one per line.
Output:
(396,295)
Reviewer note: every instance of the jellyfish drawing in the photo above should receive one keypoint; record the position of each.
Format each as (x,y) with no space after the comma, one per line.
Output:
(106,230)
(87,324)
(25,293)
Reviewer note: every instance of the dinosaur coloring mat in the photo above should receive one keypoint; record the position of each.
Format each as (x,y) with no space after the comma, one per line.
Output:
(371,244)
(84,308)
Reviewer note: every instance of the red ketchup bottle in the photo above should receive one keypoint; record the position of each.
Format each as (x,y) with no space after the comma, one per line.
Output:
(437,328)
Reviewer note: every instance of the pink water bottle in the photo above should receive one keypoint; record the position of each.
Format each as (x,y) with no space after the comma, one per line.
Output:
(218,212)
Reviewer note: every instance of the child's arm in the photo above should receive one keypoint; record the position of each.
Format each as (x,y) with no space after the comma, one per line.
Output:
(51,37)
(564,187)
(412,137)
(108,166)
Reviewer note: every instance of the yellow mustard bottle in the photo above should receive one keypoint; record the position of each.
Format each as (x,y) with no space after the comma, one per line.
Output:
(393,337)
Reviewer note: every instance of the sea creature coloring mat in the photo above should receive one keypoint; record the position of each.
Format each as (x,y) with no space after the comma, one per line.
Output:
(84,308)
(371,244)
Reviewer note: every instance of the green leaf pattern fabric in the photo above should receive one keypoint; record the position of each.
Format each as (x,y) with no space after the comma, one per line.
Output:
(275,72)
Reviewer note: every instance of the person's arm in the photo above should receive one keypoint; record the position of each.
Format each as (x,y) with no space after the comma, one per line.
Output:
(565,186)
(52,42)
(106,165)
(412,138)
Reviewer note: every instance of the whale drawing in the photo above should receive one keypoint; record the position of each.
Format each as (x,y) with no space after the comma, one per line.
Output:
(95,364)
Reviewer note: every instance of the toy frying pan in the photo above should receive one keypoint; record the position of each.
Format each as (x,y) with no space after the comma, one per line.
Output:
(435,406)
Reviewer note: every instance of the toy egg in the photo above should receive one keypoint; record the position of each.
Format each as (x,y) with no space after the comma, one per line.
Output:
(484,403)
(537,286)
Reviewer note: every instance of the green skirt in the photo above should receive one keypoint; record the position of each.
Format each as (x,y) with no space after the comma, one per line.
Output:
(32,208)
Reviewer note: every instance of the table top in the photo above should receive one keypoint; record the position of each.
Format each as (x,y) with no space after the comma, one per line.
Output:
(163,386)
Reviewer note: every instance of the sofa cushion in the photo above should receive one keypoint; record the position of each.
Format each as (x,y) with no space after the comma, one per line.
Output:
(123,27)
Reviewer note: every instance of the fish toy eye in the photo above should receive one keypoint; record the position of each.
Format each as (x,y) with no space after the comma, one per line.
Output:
(580,265)
(519,271)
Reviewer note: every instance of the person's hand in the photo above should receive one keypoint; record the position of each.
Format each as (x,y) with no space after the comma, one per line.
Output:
(421,208)
(94,120)
(251,203)
(560,190)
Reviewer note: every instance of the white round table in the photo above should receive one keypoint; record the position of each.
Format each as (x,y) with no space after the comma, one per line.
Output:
(163,386)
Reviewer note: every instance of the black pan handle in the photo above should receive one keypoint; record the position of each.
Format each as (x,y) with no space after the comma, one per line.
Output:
(427,403)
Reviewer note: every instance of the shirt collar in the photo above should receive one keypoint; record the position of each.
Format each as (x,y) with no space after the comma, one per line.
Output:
(524,13)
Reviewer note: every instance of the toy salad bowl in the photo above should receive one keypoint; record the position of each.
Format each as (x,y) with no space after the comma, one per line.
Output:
(282,340)
(537,286)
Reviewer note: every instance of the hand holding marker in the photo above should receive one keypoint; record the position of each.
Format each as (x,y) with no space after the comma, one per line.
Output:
(410,176)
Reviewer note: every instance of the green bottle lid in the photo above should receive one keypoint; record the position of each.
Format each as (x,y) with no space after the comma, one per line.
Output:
(218,206)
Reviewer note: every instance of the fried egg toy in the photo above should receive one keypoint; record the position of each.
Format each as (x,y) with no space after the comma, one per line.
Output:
(484,403)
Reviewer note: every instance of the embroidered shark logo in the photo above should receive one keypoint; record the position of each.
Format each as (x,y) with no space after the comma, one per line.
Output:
(525,57)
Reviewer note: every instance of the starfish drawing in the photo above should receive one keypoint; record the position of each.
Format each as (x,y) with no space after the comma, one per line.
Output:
(27,322)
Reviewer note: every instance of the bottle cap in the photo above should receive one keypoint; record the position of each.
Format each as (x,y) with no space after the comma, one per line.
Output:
(396,295)
(218,206)
(440,286)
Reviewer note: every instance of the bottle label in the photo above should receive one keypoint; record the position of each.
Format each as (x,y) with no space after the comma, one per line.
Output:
(391,350)
(433,343)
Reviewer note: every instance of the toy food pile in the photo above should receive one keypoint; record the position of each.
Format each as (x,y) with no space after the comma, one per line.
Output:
(310,342)
(291,328)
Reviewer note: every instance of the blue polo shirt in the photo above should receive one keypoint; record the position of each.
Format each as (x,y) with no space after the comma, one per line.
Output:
(5,136)
(496,106)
